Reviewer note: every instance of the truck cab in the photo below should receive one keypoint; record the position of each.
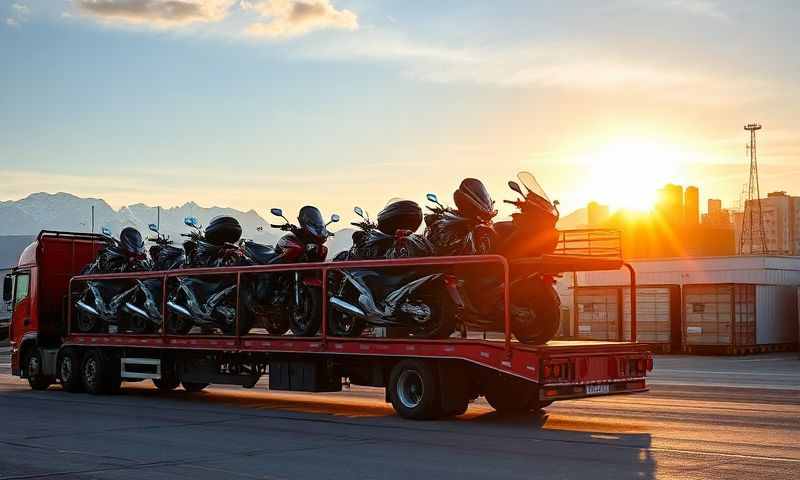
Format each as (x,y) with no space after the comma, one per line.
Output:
(37,290)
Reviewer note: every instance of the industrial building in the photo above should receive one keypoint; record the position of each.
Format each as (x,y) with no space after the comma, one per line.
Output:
(726,305)
(781,218)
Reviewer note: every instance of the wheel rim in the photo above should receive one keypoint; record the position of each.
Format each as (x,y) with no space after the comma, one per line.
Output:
(90,371)
(302,313)
(33,365)
(85,322)
(66,369)
(410,389)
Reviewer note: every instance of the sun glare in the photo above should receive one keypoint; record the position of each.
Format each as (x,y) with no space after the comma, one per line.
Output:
(627,173)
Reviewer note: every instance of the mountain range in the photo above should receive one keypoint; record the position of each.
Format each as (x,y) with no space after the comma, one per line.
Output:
(23,219)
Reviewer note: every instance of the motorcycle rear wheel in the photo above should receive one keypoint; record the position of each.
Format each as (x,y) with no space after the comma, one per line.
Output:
(546,305)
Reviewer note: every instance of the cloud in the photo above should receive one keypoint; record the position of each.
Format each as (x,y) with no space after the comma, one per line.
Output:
(290,18)
(159,13)
(703,8)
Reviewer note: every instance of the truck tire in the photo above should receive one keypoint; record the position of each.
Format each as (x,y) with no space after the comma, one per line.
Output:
(414,390)
(33,365)
(97,374)
(69,370)
(169,376)
(512,395)
(194,387)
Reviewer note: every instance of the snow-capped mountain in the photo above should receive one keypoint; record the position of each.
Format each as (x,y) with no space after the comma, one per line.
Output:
(67,212)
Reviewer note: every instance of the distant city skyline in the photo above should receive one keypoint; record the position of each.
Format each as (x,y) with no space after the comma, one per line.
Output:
(249,105)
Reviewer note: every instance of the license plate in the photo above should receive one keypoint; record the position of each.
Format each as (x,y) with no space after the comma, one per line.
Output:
(597,389)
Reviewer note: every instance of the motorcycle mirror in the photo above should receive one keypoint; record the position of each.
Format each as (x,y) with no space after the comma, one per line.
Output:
(335,218)
(432,198)
(556,203)
(515,186)
(106,232)
(191,222)
(276,211)
(359,211)
(153,227)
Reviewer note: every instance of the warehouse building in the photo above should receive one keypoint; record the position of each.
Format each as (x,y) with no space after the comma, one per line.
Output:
(723,305)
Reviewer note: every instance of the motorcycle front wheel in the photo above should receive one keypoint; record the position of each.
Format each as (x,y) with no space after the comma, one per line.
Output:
(84,321)
(305,317)
(341,324)
(178,324)
(542,324)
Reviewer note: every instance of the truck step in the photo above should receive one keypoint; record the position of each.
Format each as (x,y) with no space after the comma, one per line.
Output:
(140,368)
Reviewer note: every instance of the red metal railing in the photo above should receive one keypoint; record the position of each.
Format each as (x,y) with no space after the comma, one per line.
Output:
(597,242)
(325,267)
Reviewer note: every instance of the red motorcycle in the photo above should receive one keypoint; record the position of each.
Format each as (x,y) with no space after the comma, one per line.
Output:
(289,300)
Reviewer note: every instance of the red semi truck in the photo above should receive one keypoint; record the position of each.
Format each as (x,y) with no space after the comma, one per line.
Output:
(423,378)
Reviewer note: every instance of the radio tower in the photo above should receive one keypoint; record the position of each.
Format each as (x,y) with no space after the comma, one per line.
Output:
(752,220)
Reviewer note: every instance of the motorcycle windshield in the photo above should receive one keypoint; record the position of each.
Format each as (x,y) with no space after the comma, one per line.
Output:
(529,181)
(311,221)
(479,196)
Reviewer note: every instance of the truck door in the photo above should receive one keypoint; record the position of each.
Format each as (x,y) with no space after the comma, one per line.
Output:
(20,310)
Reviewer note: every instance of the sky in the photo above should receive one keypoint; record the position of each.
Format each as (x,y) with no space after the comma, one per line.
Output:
(280,103)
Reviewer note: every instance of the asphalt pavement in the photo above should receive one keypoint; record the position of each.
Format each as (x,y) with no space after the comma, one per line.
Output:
(704,418)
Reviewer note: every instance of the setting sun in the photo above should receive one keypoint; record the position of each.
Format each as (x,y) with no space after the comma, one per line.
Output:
(626,173)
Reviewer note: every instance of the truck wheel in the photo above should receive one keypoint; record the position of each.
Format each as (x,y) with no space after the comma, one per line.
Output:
(69,370)
(414,390)
(306,316)
(96,373)
(36,379)
(194,387)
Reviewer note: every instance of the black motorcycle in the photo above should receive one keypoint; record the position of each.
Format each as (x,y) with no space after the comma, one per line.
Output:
(145,304)
(208,301)
(102,301)
(468,229)
(289,299)
(413,300)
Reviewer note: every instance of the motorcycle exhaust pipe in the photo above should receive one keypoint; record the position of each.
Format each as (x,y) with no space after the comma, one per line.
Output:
(88,308)
(136,311)
(178,309)
(347,307)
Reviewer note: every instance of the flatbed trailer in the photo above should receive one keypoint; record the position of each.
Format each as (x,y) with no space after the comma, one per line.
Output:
(424,378)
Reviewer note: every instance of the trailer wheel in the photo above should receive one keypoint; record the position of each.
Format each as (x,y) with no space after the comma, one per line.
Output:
(512,396)
(414,390)
(69,370)
(169,376)
(96,373)
(193,386)
(33,363)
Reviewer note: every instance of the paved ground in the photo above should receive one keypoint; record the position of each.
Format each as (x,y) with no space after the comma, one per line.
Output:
(705,418)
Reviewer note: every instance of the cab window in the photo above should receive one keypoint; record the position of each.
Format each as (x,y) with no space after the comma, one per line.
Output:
(21,287)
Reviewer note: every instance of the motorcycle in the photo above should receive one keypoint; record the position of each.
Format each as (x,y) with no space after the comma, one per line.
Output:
(145,305)
(208,302)
(414,300)
(466,230)
(102,301)
(469,230)
(289,300)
